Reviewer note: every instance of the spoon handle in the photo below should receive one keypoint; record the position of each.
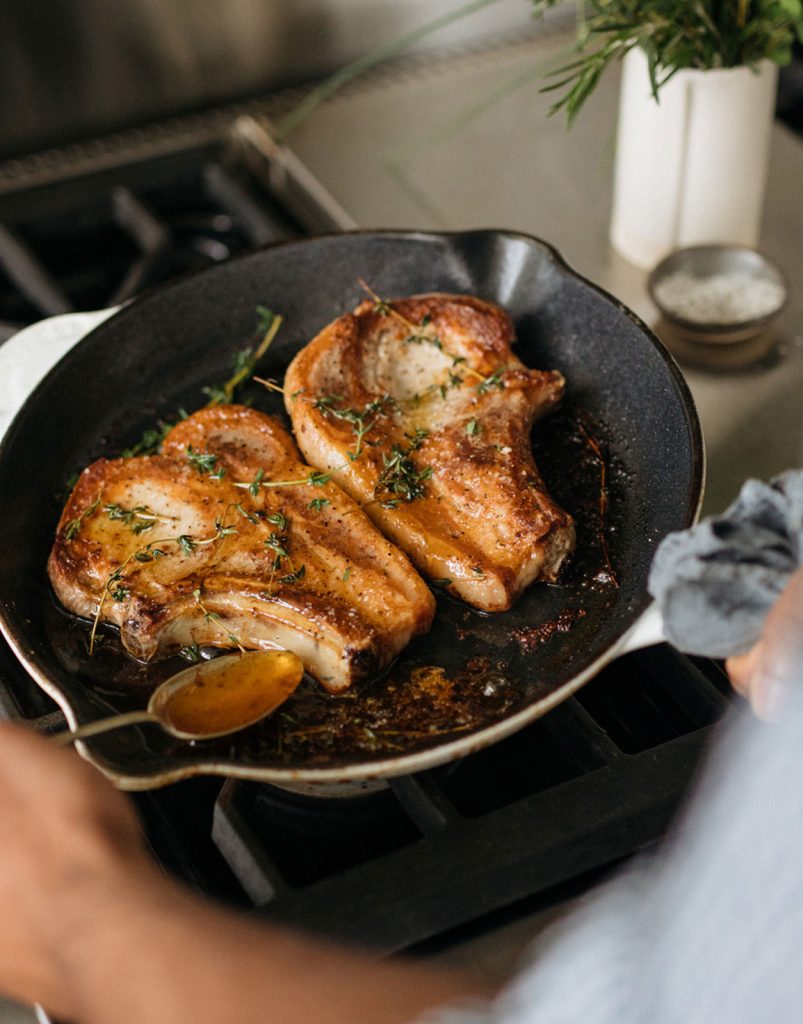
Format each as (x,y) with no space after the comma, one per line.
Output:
(61,739)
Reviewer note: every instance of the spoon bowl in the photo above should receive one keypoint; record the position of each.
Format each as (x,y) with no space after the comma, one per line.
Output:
(213,698)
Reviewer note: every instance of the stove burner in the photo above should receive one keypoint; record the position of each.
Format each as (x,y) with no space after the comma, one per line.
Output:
(101,242)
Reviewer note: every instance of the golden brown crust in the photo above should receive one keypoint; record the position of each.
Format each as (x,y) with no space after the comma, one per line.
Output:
(355,605)
(484,521)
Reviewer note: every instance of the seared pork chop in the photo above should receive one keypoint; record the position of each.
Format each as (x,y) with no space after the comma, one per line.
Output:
(196,546)
(419,409)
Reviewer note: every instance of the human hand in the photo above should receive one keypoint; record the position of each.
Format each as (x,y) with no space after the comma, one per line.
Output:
(68,839)
(761,674)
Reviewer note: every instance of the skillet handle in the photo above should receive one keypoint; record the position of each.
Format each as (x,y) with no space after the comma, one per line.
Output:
(646,631)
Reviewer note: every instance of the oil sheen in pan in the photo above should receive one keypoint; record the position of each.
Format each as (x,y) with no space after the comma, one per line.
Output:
(469,672)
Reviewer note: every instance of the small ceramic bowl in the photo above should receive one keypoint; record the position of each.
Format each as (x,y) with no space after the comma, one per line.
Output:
(698,321)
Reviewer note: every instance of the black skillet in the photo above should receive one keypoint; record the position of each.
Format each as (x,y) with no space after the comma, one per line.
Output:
(475,678)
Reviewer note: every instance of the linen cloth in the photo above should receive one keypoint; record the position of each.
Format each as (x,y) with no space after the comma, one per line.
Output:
(716,583)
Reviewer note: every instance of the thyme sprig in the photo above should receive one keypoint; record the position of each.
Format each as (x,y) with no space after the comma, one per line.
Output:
(313,479)
(205,462)
(150,442)
(138,519)
(361,420)
(419,333)
(191,653)
(246,361)
(73,528)
(400,478)
(216,620)
(494,380)
(119,592)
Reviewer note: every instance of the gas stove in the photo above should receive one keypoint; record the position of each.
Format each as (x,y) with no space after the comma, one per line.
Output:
(434,856)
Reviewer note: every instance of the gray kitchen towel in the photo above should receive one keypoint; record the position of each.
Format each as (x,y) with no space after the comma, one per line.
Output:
(716,582)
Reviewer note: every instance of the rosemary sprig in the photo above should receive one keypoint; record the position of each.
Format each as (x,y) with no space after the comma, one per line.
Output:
(72,528)
(674,34)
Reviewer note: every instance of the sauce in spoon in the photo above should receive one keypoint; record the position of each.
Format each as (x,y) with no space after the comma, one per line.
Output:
(214,698)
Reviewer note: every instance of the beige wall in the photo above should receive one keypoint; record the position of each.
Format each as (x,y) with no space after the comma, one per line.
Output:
(69,68)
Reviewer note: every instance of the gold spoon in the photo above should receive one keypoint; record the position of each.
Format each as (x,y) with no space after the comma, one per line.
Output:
(214,698)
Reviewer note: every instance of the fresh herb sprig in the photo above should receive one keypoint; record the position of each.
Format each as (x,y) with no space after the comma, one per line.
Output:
(204,462)
(118,591)
(138,519)
(73,528)
(401,480)
(313,479)
(361,420)
(216,620)
(421,334)
(674,34)
(246,361)
(150,442)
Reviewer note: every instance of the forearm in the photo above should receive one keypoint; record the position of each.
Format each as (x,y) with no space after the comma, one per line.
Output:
(159,954)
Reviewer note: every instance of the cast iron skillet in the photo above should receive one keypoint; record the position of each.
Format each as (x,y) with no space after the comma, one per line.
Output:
(475,678)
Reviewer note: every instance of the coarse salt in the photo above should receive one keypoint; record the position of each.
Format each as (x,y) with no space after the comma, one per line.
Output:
(720,298)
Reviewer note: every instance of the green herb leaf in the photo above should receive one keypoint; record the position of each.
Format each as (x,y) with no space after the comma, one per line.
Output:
(494,381)
(294,577)
(253,487)
(191,653)
(317,504)
(250,516)
(72,528)
(204,462)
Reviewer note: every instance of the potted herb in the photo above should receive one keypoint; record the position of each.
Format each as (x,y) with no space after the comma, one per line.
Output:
(697,100)
(696,107)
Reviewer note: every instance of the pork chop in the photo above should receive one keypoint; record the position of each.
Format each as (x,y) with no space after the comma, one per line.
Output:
(420,411)
(226,538)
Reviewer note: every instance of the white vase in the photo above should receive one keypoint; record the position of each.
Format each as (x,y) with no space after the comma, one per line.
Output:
(691,168)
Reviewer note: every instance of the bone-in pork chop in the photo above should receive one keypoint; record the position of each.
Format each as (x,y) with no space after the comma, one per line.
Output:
(195,546)
(419,409)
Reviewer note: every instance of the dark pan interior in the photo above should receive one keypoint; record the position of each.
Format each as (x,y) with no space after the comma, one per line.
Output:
(624,395)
